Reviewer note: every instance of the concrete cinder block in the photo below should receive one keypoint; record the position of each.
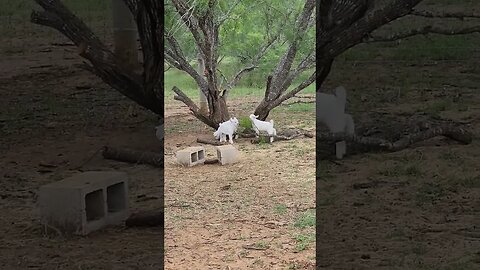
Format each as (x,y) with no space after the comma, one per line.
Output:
(191,156)
(227,154)
(85,202)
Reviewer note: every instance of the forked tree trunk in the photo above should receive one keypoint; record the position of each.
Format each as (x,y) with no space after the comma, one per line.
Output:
(285,72)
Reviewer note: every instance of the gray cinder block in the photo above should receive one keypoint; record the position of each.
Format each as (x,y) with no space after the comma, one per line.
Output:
(191,156)
(85,202)
(227,154)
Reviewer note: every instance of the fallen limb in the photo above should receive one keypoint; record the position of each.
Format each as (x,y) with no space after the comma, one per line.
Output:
(212,142)
(146,219)
(131,156)
(453,132)
(285,135)
(211,161)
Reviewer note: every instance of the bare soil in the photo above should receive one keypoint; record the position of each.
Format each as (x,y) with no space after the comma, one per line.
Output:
(414,209)
(55,114)
(239,216)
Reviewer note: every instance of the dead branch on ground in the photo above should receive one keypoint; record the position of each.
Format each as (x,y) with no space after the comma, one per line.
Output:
(131,156)
(212,142)
(146,219)
(453,132)
(286,135)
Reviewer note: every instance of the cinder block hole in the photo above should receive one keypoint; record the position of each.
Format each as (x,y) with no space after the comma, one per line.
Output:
(201,155)
(116,198)
(194,157)
(94,205)
(219,154)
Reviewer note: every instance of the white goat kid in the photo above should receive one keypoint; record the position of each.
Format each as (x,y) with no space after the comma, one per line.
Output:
(259,125)
(226,128)
(331,112)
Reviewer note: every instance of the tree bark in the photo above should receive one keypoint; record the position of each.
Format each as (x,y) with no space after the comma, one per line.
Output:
(144,89)
(131,156)
(453,132)
(202,97)
(146,219)
(211,142)
(125,35)
(283,75)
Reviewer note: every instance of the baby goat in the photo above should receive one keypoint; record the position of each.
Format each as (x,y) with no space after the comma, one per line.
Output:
(226,128)
(331,112)
(263,126)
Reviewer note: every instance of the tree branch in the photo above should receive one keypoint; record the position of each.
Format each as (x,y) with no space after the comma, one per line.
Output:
(104,62)
(297,89)
(175,52)
(190,19)
(425,31)
(453,132)
(180,96)
(228,13)
(263,50)
(456,15)
(283,68)
(329,48)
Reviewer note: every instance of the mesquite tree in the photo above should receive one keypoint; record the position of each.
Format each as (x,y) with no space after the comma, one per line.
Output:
(343,24)
(145,88)
(204,24)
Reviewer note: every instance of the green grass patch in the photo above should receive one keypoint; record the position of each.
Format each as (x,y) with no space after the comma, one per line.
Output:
(304,240)
(429,193)
(300,107)
(467,182)
(262,245)
(411,170)
(280,209)
(307,219)
(245,122)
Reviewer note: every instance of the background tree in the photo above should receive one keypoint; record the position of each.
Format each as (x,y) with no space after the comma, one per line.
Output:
(343,24)
(145,88)
(222,28)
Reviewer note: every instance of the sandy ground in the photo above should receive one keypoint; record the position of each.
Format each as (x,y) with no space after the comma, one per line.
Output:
(224,217)
(54,113)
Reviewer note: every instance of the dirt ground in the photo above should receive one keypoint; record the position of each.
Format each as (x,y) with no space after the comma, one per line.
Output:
(414,209)
(53,113)
(244,215)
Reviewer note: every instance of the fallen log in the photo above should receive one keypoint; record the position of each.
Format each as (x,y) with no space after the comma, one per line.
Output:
(212,142)
(132,156)
(146,219)
(285,135)
(211,161)
(453,132)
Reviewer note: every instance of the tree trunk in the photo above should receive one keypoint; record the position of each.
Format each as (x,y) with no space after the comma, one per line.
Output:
(145,89)
(125,35)
(285,73)
(218,110)
(203,98)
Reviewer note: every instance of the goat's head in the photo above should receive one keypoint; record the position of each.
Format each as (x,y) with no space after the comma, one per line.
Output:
(234,120)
